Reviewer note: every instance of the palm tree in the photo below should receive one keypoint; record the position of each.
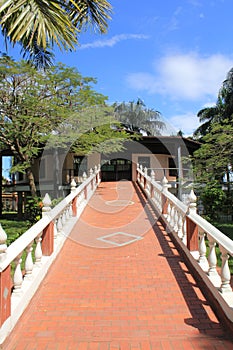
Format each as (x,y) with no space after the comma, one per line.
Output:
(135,117)
(38,25)
(222,110)
(207,116)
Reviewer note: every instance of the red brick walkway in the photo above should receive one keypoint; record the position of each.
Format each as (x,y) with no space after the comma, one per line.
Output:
(118,284)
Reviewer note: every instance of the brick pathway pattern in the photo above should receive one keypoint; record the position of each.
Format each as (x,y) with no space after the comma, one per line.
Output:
(118,284)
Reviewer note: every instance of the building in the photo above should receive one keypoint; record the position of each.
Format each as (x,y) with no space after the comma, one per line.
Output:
(55,169)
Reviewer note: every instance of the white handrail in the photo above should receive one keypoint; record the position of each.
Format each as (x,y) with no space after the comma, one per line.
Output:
(193,230)
(53,223)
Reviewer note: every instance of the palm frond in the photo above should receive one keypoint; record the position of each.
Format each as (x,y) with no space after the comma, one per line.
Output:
(26,21)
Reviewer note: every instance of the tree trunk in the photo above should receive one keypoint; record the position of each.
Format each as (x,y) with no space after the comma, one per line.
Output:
(31,182)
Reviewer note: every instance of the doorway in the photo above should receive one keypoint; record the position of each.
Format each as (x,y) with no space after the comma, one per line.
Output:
(116,170)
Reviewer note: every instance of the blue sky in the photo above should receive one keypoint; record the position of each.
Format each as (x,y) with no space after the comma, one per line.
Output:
(172,54)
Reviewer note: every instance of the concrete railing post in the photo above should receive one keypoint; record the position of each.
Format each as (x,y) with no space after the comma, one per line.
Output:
(165,186)
(74,202)
(191,227)
(47,243)
(5,281)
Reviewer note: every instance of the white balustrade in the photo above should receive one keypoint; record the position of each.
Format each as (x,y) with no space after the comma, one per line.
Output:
(36,250)
(180,218)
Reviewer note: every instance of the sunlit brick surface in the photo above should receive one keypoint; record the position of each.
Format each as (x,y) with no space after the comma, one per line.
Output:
(139,296)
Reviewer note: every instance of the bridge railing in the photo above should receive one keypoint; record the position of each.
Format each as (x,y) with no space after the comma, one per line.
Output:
(203,243)
(38,247)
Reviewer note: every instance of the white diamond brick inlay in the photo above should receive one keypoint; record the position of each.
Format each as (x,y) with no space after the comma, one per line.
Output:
(119,203)
(119,239)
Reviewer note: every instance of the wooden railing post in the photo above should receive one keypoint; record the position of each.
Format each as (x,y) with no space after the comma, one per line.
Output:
(74,202)
(5,281)
(164,197)
(191,227)
(192,235)
(145,179)
(152,175)
(47,243)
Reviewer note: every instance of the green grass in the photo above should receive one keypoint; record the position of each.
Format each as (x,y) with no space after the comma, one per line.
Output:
(13,228)
(227,229)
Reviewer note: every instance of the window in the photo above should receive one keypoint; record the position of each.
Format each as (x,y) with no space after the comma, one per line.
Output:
(80,165)
(172,167)
(144,161)
(42,168)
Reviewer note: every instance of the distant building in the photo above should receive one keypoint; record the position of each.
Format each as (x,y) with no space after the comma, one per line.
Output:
(54,170)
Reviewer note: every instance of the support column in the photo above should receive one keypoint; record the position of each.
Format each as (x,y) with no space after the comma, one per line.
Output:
(192,235)
(5,295)
(1,187)
(191,227)
(47,243)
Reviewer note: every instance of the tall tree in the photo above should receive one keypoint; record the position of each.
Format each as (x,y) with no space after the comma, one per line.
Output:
(35,107)
(213,167)
(135,117)
(214,160)
(38,25)
(223,109)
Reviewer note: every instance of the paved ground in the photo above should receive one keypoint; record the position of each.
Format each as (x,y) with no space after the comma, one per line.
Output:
(118,284)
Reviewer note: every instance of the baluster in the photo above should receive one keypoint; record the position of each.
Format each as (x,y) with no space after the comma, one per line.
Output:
(29,261)
(171,222)
(184,230)
(63,217)
(169,212)
(18,276)
(212,258)
(70,210)
(59,225)
(176,219)
(38,250)
(160,201)
(180,226)
(55,231)
(67,212)
(3,246)
(202,251)
(225,272)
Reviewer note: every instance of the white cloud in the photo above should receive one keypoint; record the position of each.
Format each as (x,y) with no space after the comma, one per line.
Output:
(184,76)
(112,41)
(187,123)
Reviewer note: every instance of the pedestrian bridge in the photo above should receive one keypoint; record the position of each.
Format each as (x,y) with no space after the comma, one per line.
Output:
(117,265)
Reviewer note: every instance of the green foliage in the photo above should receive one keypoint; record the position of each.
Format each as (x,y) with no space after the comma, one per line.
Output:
(213,198)
(38,25)
(58,108)
(135,117)
(33,209)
